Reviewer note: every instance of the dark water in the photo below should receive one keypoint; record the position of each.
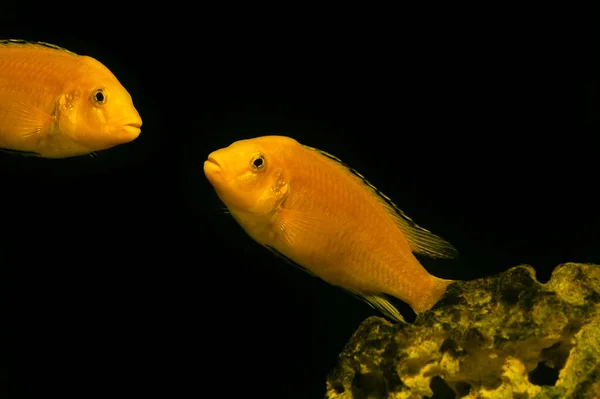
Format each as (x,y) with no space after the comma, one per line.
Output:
(122,275)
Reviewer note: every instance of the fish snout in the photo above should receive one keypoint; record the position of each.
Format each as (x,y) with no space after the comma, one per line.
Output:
(127,128)
(214,158)
(212,167)
(131,131)
(213,161)
(132,127)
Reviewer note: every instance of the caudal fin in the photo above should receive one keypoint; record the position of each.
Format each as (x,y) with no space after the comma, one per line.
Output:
(438,289)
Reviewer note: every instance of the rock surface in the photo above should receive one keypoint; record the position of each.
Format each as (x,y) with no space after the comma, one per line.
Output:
(506,336)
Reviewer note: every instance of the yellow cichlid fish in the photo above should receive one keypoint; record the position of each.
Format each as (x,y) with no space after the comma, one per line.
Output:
(57,104)
(308,206)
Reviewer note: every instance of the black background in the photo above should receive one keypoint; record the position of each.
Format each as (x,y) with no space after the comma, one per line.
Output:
(122,274)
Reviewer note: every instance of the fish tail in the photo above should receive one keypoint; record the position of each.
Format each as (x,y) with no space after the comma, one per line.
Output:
(438,289)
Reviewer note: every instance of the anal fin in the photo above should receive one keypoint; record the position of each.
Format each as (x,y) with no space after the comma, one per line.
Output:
(376,301)
(379,302)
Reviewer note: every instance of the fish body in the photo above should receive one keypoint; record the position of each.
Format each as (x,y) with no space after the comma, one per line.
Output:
(310,207)
(57,104)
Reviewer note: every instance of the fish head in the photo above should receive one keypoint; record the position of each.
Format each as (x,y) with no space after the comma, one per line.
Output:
(97,112)
(251,176)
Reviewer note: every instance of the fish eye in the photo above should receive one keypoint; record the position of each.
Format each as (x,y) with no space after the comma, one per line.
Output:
(258,162)
(100,96)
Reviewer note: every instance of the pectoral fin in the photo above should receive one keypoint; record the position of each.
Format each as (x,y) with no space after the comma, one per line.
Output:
(25,124)
(30,122)
(296,225)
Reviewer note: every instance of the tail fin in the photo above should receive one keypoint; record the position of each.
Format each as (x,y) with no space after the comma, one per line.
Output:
(438,289)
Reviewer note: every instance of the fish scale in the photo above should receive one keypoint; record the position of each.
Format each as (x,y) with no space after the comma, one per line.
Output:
(34,76)
(349,217)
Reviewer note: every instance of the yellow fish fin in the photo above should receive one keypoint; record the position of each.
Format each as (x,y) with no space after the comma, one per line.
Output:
(380,303)
(29,122)
(421,241)
(296,224)
(288,260)
(20,42)
(17,152)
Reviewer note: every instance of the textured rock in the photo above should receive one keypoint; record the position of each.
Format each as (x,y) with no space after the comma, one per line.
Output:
(506,336)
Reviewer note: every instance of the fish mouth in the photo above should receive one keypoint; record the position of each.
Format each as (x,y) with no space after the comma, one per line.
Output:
(132,130)
(213,171)
(213,161)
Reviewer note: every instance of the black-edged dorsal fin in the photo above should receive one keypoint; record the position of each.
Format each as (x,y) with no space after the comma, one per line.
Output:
(20,42)
(421,241)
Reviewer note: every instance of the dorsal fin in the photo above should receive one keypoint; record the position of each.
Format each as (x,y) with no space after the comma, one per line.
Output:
(421,241)
(20,42)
